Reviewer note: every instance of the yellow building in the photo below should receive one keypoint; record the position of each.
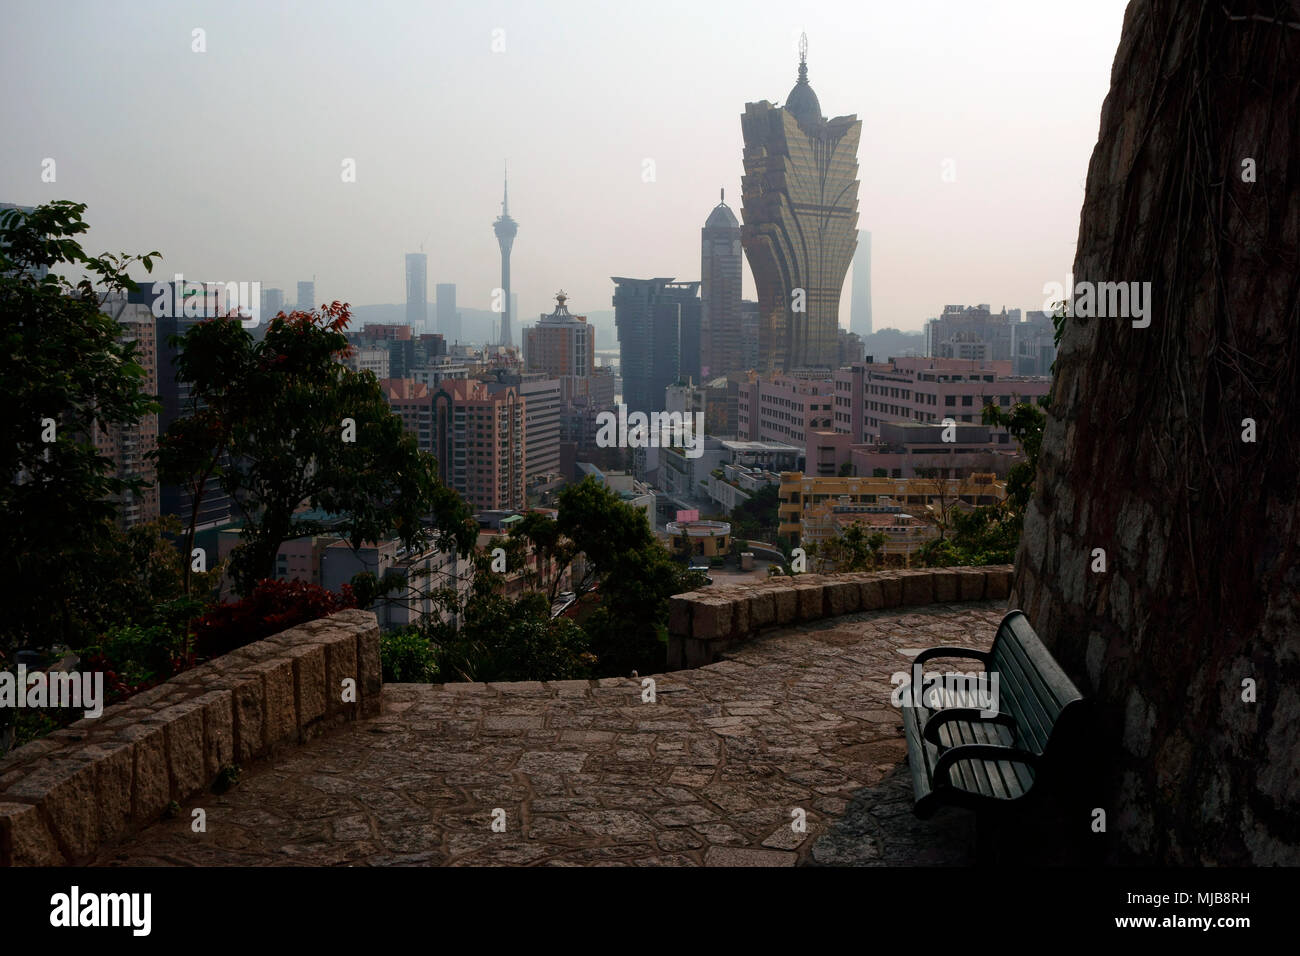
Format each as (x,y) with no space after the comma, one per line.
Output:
(920,496)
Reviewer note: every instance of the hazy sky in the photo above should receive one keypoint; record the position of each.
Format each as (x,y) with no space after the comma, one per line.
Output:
(229,161)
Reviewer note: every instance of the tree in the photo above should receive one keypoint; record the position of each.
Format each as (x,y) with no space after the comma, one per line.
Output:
(1187,642)
(64,371)
(758,516)
(297,426)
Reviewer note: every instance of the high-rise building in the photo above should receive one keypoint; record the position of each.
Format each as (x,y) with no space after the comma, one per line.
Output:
(657,320)
(177,401)
(799,204)
(505,228)
(477,437)
(307,296)
(860,305)
(542,407)
(564,347)
(721,332)
(976,333)
(417,290)
(272,304)
(128,446)
(448,318)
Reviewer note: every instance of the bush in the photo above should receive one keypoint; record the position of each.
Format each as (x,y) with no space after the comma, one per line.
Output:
(134,658)
(407,657)
(274,606)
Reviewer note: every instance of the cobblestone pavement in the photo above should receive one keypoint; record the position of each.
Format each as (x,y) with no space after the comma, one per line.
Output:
(713,772)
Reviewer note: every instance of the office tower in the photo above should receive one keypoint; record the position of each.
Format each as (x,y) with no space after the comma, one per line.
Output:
(650,315)
(215,506)
(448,318)
(417,290)
(307,296)
(971,332)
(564,347)
(272,304)
(505,228)
(128,446)
(799,204)
(860,306)
(722,337)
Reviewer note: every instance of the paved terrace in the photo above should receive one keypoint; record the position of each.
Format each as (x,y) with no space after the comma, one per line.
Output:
(587,773)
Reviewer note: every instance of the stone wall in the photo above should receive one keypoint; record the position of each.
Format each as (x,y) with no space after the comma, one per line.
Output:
(703,624)
(96,781)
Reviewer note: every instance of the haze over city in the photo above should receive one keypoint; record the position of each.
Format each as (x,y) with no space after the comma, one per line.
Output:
(228,161)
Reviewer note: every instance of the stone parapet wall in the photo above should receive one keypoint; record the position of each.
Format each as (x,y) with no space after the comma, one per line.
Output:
(704,624)
(65,795)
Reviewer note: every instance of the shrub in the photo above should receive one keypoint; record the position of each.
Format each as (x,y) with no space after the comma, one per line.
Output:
(274,606)
(407,657)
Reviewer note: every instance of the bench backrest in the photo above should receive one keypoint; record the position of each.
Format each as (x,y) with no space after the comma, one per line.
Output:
(1032,687)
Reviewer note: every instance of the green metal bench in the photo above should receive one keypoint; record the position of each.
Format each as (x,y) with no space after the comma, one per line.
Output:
(961,758)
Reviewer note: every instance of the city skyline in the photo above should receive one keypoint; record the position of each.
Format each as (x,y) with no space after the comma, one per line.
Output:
(997,233)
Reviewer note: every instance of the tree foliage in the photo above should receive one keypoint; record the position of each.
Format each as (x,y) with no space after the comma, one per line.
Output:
(283,422)
(64,371)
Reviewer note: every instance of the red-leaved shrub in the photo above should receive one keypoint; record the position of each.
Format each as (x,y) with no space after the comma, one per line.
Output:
(274,606)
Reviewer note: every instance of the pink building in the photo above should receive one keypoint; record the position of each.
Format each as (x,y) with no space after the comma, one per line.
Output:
(926,390)
(783,409)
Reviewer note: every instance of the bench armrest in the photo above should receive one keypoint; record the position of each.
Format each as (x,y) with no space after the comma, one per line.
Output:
(973,714)
(943,765)
(931,652)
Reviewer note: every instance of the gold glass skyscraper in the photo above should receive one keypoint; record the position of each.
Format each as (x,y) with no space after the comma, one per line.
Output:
(800,209)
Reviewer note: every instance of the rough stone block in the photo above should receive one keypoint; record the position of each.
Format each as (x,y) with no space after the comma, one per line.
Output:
(812,601)
(970,584)
(787,604)
(711,619)
(281,711)
(249,696)
(918,588)
(871,597)
(183,730)
(218,732)
(114,762)
(945,586)
(679,615)
(150,783)
(891,589)
(25,840)
(843,597)
(997,583)
(308,681)
(340,664)
(740,626)
(370,680)
(64,788)
(762,610)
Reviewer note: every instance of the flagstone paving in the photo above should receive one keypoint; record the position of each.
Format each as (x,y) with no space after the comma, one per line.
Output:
(719,769)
